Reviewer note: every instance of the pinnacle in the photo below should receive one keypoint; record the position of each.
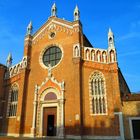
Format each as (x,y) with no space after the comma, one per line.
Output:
(30,24)
(76,8)
(110,31)
(54,5)
(9,56)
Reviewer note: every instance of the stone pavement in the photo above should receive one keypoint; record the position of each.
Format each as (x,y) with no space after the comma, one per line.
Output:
(21,138)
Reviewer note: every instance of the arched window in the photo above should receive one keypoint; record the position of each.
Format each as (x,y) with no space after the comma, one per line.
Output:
(104,57)
(98,55)
(112,56)
(13,100)
(87,54)
(92,55)
(76,51)
(97,94)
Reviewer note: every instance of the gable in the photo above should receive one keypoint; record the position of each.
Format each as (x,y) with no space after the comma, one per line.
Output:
(57,25)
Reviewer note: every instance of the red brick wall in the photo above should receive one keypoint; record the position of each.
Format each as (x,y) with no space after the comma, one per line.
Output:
(108,122)
(2,70)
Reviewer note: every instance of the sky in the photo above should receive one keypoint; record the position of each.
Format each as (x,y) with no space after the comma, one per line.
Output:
(123,16)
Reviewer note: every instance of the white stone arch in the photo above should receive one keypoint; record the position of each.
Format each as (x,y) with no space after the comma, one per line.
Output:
(48,90)
(39,104)
(15,84)
(112,56)
(98,56)
(24,62)
(76,50)
(100,98)
(94,72)
(92,55)
(58,103)
(104,57)
(87,54)
(15,69)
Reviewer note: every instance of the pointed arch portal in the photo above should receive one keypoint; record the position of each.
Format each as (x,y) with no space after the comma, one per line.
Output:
(48,118)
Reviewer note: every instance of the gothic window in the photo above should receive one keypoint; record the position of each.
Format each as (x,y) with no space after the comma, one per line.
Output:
(13,100)
(76,51)
(97,94)
(87,54)
(104,58)
(98,56)
(92,55)
(112,56)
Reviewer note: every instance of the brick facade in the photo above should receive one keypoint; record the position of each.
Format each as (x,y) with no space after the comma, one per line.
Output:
(69,80)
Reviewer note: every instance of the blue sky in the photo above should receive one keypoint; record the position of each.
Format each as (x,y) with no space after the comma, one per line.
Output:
(123,16)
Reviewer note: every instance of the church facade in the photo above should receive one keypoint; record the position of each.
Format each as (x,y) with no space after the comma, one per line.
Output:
(63,87)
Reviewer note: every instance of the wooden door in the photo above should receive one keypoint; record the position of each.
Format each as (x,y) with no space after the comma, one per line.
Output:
(49,121)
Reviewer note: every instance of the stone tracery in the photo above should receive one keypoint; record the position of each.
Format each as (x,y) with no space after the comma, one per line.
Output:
(98,105)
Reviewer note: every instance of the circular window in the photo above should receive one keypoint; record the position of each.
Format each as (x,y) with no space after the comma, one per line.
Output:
(52,56)
(52,35)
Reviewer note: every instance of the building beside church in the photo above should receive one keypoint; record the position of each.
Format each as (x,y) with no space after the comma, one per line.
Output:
(65,87)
